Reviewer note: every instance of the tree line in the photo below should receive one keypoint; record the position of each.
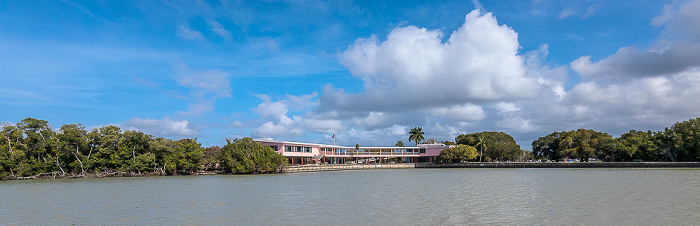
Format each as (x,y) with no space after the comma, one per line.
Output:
(481,146)
(32,147)
(679,142)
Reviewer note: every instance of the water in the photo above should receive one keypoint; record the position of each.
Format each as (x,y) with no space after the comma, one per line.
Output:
(366,197)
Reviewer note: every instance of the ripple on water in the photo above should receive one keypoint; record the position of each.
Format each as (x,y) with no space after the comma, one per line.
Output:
(377,197)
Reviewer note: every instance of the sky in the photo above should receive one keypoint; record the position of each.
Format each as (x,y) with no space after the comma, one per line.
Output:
(364,71)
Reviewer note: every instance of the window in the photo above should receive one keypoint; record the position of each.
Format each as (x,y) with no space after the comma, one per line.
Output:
(297,149)
(288,149)
(274,147)
(422,150)
(307,149)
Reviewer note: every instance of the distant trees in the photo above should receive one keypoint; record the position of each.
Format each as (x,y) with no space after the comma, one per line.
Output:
(416,134)
(399,144)
(580,144)
(32,147)
(680,142)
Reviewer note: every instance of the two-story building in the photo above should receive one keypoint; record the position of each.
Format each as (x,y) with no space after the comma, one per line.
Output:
(300,153)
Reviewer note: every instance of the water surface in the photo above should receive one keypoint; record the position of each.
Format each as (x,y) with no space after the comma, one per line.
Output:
(376,197)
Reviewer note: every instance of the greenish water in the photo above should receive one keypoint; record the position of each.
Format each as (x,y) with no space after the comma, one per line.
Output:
(366,197)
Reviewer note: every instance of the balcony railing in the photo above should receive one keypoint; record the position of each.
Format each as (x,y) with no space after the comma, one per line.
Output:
(368,153)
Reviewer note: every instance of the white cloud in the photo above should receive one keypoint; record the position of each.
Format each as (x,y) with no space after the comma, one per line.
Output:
(205,88)
(276,110)
(270,129)
(326,126)
(185,33)
(461,113)
(163,127)
(517,124)
(284,126)
(476,80)
(212,83)
(414,69)
(681,20)
(219,29)
(678,49)
(590,11)
(566,13)
(302,102)
(503,107)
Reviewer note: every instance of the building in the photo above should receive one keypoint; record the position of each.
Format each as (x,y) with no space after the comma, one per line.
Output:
(306,153)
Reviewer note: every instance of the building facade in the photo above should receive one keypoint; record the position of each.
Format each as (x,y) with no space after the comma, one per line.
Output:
(300,153)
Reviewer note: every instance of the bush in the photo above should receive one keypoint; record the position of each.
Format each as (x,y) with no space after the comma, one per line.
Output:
(457,154)
(247,156)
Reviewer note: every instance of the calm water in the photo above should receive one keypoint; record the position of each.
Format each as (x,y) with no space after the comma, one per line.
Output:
(376,197)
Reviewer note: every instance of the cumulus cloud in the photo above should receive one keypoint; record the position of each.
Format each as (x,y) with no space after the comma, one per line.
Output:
(461,113)
(633,62)
(645,98)
(414,68)
(681,20)
(657,85)
(162,127)
(326,126)
(280,124)
(270,129)
(518,124)
(475,80)
(678,49)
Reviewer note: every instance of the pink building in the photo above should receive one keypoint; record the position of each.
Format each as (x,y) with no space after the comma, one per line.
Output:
(305,153)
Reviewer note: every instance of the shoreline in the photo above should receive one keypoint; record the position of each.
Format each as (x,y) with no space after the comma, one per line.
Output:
(561,165)
(422,165)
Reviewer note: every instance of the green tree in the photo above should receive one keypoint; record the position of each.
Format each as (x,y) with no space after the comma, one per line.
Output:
(186,156)
(416,134)
(161,148)
(496,145)
(457,154)
(546,147)
(447,142)
(36,141)
(75,143)
(211,157)
(582,144)
(399,144)
(681,142)
(247,156)
(636,145)
(481,143)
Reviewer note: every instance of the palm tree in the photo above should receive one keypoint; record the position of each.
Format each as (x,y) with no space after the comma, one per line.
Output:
(416,134)
(399,144)
(482,144)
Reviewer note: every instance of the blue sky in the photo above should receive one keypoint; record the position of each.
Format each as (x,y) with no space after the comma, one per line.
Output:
(367,71)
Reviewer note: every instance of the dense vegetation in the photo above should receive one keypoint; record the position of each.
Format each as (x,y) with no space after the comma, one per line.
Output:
(493,146)
(247,156)
(32,147)
(680,142)
(457,154)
